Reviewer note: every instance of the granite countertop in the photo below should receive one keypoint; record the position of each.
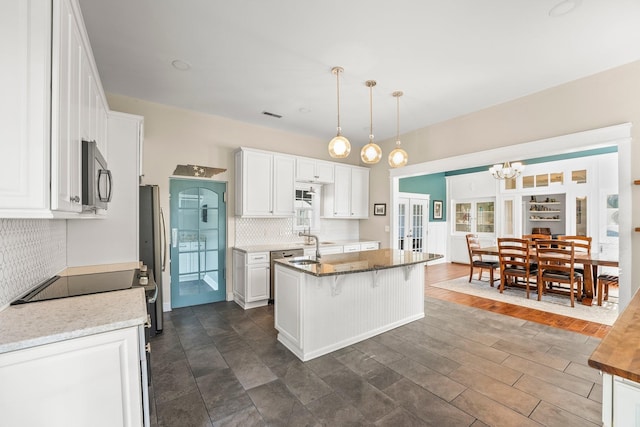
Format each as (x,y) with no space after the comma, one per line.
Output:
(33,324)
(357,262)
(299,245)
(618,353)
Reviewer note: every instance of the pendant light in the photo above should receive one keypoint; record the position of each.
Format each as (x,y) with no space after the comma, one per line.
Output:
(339,147)
(371,153)
(398,157)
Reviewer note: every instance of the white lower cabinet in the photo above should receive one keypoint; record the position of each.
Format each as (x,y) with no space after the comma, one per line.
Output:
(94,380)
(620,402)
(370,246)
(251,274)
(351,248)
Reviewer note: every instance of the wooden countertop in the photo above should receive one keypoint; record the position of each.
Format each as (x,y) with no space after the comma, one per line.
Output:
(619,352)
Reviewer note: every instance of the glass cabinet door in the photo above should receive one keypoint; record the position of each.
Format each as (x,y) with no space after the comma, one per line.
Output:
(463,217)
(484,214)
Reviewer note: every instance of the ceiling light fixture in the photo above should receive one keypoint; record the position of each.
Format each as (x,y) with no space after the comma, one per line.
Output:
(507,170)
(339,146)
(398,157)
(371,153)
(564,7)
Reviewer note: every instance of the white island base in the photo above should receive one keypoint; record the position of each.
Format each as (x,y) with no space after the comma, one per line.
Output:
(315,315)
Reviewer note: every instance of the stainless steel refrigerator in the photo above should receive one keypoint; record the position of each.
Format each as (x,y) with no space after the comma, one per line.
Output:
(153,245)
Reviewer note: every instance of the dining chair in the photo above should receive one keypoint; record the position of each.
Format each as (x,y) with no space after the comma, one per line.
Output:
(581,244)
(556,264)
(604,280)
(477,261)
(514,256)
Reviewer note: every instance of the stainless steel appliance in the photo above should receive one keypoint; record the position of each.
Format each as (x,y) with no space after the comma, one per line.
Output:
(153,245)
(97,181)
(288,253)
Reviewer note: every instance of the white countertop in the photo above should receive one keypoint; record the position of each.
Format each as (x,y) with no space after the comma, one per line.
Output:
(29,325)
(299,245)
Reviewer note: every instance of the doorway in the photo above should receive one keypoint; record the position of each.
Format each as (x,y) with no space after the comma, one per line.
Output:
(412,216)
(198,241)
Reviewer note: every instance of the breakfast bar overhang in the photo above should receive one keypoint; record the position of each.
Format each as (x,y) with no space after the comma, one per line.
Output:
(342,299)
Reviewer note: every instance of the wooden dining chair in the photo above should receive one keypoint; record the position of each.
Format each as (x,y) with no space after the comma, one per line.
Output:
(556,264)
(514,256)
(477,261)
(604,280)
(580,244)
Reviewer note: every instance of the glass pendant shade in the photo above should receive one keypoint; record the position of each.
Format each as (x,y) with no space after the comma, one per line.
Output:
(339,147)
(371,153)
(398,157)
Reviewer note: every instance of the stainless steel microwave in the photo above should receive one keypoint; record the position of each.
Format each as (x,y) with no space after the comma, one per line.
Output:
(97,182)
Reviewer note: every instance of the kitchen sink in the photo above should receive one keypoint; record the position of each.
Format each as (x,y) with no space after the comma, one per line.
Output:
(303,261)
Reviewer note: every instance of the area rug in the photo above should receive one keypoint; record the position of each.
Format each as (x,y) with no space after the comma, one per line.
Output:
(551,303)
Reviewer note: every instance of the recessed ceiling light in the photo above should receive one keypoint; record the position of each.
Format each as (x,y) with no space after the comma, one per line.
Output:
(564,7)
(180,65)
(304,110)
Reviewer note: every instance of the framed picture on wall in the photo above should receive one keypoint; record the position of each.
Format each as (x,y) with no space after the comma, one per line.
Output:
(437,209)
(380,209)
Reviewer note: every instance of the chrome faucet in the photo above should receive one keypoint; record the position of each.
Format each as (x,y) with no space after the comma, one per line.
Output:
(309,235)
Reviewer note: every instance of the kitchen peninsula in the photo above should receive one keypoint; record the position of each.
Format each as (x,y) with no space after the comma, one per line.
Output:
(342,299)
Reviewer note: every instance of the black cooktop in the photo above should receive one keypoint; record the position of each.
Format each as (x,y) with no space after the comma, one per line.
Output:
(85,284)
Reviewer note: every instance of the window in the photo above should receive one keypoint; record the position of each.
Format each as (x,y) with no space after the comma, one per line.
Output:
(307,206)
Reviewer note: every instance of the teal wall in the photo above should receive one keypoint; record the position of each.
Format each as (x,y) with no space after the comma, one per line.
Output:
(435,184)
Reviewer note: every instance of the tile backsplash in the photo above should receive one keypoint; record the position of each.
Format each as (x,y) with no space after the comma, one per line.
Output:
(31,250)
(262,231)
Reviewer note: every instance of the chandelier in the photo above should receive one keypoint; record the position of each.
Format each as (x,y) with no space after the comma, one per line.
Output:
(507,170)
(339,146)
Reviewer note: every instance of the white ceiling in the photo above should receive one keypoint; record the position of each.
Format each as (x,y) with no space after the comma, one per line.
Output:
(450,57)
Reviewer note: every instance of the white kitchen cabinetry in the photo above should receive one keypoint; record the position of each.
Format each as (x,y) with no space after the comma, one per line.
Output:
(348,197)
(351,248)
(315,171)
(265,184)
(25,43)
(621,401)
(370,246)
(52,99)
(251,278)
(93,380)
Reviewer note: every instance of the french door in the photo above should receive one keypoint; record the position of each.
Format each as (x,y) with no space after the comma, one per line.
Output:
(412,219)
(198,241)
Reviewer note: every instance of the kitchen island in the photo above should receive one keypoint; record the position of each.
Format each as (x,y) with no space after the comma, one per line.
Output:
(346,298)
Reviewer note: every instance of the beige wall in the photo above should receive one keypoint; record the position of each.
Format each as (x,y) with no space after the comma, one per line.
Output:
(175,136)
(597,101)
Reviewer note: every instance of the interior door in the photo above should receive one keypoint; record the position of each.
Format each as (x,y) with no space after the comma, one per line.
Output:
(413,215)
(198,242)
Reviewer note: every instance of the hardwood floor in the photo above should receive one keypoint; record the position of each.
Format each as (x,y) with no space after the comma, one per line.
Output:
(446,271)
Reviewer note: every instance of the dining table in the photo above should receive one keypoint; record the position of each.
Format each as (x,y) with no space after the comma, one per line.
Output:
(591,274)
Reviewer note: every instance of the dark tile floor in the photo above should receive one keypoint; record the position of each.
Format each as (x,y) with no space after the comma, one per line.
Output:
(218,365)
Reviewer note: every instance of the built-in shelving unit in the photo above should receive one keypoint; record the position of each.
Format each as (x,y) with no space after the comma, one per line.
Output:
(544,211)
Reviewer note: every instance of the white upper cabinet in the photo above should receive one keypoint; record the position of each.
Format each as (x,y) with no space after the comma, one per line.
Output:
(25,43)
(52,99)
(312,170)
(348,197)
(265,184)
